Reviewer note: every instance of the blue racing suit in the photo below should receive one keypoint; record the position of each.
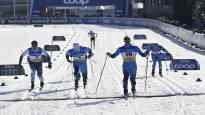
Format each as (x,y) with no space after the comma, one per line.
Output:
(35,58)
(79,62)
(129,66)
(155,54)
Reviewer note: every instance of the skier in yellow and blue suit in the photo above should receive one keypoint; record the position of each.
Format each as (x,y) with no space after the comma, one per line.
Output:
(129,67)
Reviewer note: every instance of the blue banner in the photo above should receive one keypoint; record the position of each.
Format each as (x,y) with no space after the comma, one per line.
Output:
(139,37)
(11,70)
(149,46)
(40,5)
(184,64)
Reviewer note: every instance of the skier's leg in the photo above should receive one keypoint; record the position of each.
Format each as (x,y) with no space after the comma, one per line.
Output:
(160,67)
(33,71)
(125,83)
(33,75)
(77,76)
(32,85)
(84,80)
(94,43)
(153,67)
(132,73)
(91,42)
(133,83)
(40,74)
(83,69)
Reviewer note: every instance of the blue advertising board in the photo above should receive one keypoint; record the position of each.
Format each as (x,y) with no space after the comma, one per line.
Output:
(184,64)
(38,5)
(149,46)
(11,70)
(139,37)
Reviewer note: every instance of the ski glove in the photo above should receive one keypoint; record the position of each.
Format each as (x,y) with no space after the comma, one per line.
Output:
(109,54)
(89,56)
(69,61)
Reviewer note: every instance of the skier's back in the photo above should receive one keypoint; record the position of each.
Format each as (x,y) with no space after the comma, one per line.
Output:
(128,52)
(155,54)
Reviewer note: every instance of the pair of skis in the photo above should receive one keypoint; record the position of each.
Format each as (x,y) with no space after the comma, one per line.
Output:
(130,95)
(31,94)
(78,96)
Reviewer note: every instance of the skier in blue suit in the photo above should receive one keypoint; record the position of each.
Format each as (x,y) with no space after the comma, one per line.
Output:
(156,58)
(129,67)
(79,56)
(36,56)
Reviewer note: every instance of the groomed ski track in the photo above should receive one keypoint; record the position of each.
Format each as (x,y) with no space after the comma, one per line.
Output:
(173,91)
(102,98)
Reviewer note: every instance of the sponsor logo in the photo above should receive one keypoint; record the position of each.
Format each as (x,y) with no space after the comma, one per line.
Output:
(76,2)
(185,64)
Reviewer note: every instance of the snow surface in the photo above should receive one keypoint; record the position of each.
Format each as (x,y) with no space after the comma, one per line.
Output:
(59,80)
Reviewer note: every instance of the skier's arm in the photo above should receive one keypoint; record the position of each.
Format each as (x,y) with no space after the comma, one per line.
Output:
(68,57)
(90,53)
(115,54)
(48,57)
(143,54)
(89,34)
(22,55)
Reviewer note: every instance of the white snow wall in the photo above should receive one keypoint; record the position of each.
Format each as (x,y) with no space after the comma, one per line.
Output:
(178,32)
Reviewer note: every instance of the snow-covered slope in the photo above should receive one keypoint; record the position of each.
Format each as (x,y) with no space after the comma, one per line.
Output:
(60,84)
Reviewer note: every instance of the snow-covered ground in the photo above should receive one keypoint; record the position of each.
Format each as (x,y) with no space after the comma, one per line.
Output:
(60,84)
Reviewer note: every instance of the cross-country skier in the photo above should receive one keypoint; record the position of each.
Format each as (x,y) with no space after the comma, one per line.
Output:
(156,58)
(36,56)
(79,55)
(93,36)
(129,67)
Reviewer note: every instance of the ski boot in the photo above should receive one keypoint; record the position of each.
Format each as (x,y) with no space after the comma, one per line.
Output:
(126,93)
(133,92)
(84,85)
(32,86)
(84,80)
(153,74)
(76,85)
(160,73)
(41,85)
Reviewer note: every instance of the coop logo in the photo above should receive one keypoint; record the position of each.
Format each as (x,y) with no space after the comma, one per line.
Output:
(78,2)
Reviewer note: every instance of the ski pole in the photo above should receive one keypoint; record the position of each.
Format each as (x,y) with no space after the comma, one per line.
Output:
(146,70)
(101,73)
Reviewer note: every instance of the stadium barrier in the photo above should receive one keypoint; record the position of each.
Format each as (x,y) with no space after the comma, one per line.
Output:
(176,32)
